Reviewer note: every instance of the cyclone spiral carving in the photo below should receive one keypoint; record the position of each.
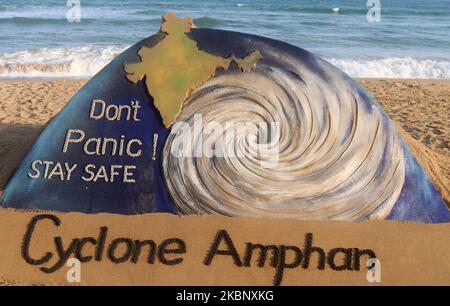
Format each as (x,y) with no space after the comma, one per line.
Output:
(303,145)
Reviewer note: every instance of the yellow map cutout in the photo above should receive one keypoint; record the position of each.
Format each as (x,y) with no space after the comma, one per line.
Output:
(175,66)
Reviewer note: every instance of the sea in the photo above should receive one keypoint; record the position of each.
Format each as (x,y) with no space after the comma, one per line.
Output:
(365,38)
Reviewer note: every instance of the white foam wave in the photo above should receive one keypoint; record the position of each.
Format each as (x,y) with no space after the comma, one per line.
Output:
(81,62)
(7,7)
(394,67)
(84,62)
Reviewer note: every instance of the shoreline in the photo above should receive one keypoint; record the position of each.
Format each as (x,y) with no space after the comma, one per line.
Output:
(419,108)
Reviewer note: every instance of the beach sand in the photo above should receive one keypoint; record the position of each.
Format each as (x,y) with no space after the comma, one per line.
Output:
(419,108)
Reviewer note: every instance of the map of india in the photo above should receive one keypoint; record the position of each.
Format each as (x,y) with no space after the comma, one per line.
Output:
(175,66)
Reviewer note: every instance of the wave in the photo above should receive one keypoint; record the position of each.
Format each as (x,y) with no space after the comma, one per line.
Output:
(7,7)
(206,22)
(63,21)
(355,10)
(84,62)
(32,20)
(81,62)
(25,20)
(395,67)
(331,10)
(323,10)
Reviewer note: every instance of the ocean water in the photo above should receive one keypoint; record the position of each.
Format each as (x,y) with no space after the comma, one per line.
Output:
(412,39)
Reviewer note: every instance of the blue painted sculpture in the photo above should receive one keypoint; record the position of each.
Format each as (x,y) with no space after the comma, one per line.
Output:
(201,121)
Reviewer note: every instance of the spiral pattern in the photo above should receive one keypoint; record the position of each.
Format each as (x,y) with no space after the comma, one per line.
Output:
(285,142)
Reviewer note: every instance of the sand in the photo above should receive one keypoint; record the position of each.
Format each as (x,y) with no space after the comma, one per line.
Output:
(419,108)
